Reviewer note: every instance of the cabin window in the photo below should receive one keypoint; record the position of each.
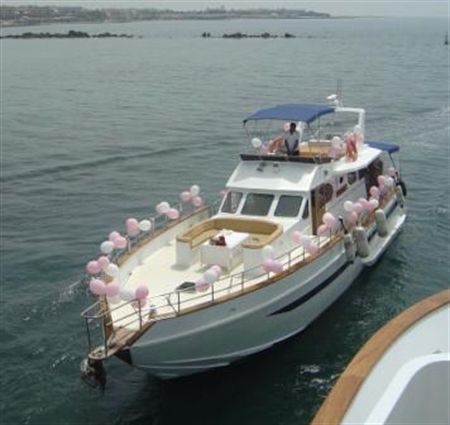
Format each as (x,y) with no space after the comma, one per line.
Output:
(288,206)
(351,178)
(362,173)
(305,214)
(257,204)
(231,203)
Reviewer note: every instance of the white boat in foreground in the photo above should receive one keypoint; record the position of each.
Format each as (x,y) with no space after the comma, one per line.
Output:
(193,289)
(401,375)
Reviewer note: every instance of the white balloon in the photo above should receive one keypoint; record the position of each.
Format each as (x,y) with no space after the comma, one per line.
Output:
(306,240)
(348,206)
(145,225)
(107,247)
(336,142)
(126,294)
(112,270)
(163,207)
(256,143)
(195,190)
(210,276)
(268,253)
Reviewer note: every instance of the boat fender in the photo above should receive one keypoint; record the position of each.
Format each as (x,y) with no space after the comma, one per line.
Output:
(349,247)
(362,243)
(402,184)
(400,197)
(381,222)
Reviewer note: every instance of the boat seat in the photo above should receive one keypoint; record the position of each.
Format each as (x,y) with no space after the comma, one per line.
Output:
(262,232)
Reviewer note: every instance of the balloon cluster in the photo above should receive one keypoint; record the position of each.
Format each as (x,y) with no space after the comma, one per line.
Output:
(309,245)
(164,208)
(210,276)
(193,196)
(329,224)
(270,264)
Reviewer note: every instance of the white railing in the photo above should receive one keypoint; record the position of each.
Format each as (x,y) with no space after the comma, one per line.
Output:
(133,316)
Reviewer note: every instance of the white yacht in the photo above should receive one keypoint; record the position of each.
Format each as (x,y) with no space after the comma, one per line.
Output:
(401,375)
(194,288)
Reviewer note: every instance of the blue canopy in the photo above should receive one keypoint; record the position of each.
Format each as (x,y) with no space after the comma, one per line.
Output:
(291,112)
(384,146)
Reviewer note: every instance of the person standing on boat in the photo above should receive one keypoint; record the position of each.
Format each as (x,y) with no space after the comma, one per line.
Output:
(289,142)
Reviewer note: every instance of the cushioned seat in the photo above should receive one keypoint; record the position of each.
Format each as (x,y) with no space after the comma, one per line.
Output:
(261,232)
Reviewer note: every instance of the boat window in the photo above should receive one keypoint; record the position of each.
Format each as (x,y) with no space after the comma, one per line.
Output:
(288,206)
(362,173)
(305,214)
(257,204)
(351,178)
(231,202)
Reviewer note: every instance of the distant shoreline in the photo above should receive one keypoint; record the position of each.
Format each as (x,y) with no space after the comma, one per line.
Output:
(20,16)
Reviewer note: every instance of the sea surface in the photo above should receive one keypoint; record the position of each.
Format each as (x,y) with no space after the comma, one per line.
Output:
(97,130)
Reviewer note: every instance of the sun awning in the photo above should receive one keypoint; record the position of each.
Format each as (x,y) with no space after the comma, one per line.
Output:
(291,112)
(384,146)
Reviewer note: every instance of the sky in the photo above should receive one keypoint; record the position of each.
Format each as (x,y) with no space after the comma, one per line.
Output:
(424,8)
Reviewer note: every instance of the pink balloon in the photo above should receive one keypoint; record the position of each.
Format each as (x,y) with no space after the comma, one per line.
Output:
(197,201)
(267,265)
(323,230)
(201,285)
(312,248)
(112,289)
(329,219)
(103,262)
(374,191)
(113,235)
(97,287)
(381,180)
(352,217)
(132,223)
(93,267)
(173,214)
(297,237)
(277,266)
(185,196)
(358,207)
(141,292)
(120,242)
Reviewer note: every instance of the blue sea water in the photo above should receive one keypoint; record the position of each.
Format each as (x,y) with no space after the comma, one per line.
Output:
(97,130)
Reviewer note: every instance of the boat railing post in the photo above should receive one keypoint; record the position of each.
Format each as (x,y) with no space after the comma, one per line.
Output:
(242,281)
(289,259)
(88,334)
(105,340)
(140,314)
(212,292)
(178,302)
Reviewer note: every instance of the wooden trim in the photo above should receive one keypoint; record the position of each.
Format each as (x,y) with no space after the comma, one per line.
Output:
(344,391)
(275,278)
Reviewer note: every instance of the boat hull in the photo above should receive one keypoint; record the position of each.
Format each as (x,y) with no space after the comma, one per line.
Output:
(225,332)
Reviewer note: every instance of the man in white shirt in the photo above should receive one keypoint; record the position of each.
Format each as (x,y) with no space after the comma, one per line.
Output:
(292,140)
(289,142)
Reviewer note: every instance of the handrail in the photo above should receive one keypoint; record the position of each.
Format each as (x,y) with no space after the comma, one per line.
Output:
(288,259)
